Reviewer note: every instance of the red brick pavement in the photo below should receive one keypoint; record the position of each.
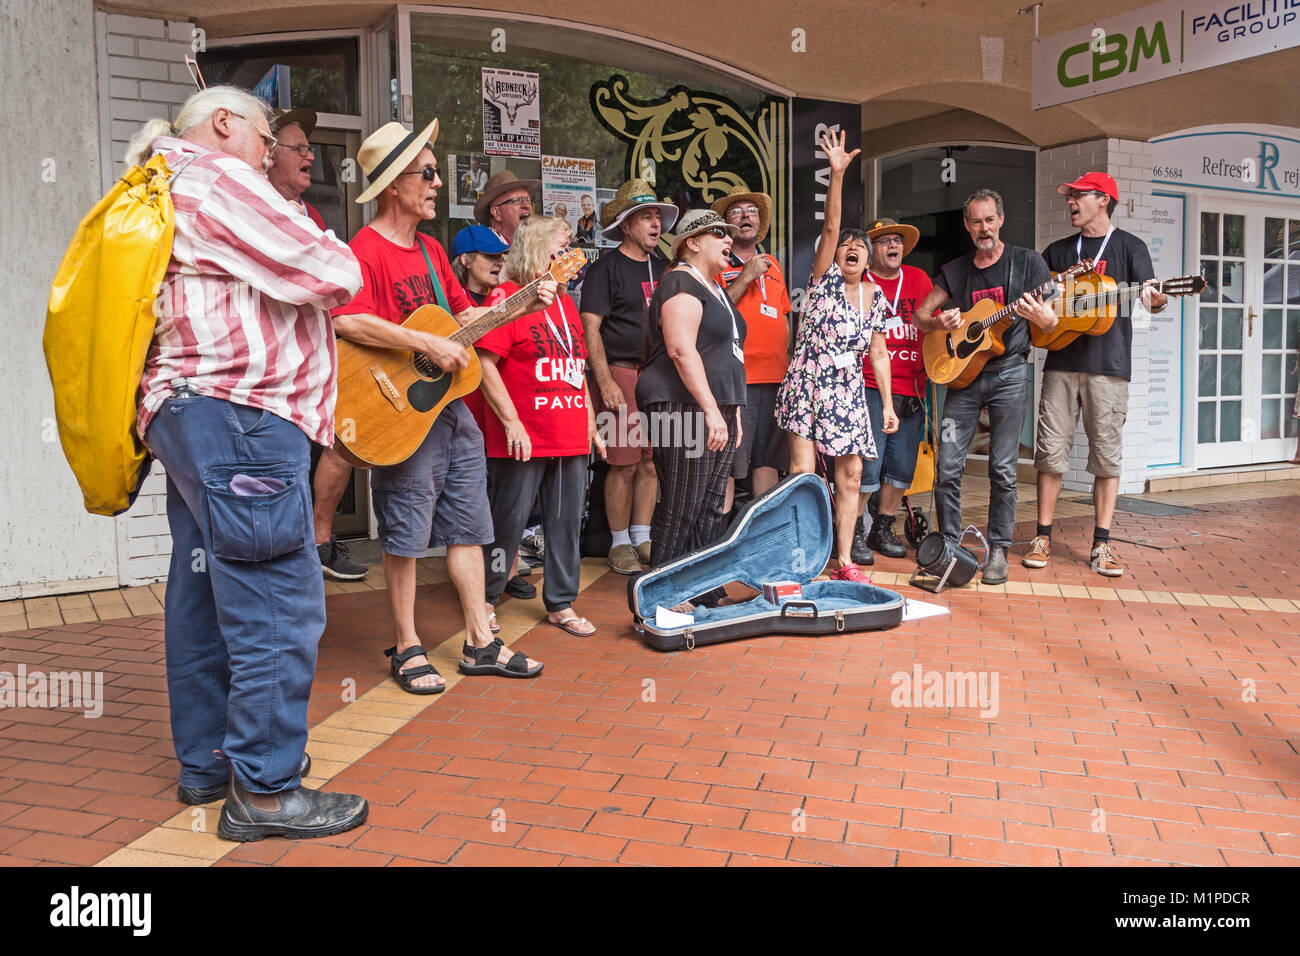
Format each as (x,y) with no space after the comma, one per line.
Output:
(1125,734)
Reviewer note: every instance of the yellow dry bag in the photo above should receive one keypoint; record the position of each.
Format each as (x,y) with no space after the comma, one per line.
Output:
(98,329)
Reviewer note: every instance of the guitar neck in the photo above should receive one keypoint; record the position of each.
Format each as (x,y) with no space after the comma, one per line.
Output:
(1010,310)
(1089,300)
(500,314)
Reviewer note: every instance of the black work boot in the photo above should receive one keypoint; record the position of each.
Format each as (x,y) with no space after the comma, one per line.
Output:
(883,539)
(859,551)
(996,571)
(217,791)
(303,814)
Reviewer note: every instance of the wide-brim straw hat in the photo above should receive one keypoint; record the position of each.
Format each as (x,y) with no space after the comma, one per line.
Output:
(740,194)
(304,117)
(633,195)
(697,221)
(887,227)
(500,184)
(389,150)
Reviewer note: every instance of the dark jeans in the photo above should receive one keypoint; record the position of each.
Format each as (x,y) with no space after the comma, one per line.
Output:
(1002,390)
(245,602)
(561,483)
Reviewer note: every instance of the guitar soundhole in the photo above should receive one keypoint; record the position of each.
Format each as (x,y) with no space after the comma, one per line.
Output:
(425,368)
(424,395)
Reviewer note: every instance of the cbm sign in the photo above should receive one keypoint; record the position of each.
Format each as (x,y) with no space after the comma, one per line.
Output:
(1167,39)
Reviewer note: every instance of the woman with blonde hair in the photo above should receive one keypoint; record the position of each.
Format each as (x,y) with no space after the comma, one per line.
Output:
(540,426)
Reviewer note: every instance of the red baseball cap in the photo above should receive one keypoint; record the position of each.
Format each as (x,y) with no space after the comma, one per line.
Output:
(1091,181)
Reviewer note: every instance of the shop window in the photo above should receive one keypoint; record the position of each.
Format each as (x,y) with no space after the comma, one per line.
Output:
(319,73)
(693,132)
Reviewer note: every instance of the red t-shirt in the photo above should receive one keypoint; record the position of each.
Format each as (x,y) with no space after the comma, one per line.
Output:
(314,215)
(906,363)
(395,279)
(767,334)
(536,355)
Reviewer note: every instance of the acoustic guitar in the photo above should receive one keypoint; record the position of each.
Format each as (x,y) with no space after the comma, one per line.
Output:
(1091,303)
(389,398)
(955,357)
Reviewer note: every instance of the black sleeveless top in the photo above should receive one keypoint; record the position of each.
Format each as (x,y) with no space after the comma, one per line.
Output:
(719,325)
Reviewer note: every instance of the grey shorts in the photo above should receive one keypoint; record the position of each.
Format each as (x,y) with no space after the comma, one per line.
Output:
(763,443)
(1103,401)
(438,496)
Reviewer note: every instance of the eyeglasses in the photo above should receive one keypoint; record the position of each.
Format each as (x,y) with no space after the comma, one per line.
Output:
(517,201)
(428,173)
(891,241)
(741,211)
(267,139)
(304,150)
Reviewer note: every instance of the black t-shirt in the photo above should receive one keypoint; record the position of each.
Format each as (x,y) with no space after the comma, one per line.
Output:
(966,285)
(719,326)
(618,289)
(1125,259)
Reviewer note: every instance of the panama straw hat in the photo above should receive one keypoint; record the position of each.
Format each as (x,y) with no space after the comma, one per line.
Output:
(697,221)
(389,150)
(887,227)
(503,182)
(304,117)
(633,195)
(740,194)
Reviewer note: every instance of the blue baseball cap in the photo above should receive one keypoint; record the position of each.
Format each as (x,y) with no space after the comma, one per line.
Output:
(478,239)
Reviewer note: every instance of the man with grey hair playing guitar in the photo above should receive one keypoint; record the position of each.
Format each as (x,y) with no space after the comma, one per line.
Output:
(1000,272)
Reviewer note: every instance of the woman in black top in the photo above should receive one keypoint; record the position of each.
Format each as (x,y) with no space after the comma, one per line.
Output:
(692,387)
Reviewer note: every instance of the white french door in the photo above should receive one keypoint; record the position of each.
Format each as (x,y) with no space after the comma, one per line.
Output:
(1248,333)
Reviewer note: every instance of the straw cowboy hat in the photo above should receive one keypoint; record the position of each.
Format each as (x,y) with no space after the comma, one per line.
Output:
(633,195)
(887,227)
(389,150)
(697,221)
(503,182)
(740,194)
(304,117)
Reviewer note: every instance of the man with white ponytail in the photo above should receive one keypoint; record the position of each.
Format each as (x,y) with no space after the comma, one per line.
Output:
(240,377)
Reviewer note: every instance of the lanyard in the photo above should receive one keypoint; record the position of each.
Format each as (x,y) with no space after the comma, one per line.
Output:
(568,329)
(731,309)
(1078,247)
(893,306)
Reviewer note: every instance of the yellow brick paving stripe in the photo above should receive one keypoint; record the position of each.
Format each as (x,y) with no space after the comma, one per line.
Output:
(336,743)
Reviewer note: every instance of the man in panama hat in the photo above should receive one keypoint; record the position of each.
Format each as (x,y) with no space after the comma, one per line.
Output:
(757,287)
(615,294)
(438,496)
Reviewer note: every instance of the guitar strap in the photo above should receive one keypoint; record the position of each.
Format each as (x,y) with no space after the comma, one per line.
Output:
(1016,274)
(433,276)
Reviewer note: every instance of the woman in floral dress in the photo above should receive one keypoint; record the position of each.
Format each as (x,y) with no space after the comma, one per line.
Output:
(822,402)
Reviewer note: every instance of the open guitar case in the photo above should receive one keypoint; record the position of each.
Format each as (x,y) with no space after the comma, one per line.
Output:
(785,535)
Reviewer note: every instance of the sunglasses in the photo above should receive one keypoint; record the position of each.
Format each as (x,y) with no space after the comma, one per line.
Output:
(428,173)
(717,232)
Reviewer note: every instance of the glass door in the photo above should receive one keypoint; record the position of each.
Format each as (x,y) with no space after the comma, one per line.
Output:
(1248,334)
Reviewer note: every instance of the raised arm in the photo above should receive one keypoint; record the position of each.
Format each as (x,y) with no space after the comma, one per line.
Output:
(832,144)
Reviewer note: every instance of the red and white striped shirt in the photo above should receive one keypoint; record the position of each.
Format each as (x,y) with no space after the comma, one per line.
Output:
(243,309)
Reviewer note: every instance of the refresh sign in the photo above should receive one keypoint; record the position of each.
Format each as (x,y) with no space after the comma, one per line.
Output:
(1232,159)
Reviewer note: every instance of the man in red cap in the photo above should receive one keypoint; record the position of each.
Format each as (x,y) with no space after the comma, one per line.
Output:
(1092,373)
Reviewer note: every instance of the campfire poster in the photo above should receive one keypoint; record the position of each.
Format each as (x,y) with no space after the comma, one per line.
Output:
(512,114)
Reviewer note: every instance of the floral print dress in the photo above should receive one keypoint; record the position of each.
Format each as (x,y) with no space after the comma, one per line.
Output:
(817,400)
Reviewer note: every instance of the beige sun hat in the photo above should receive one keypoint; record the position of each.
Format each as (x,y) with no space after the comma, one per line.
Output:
(304,117)
(389,150)
(697,221)
(633,195)
(740,194)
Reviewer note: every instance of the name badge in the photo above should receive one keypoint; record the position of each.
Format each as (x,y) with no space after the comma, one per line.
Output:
(768,310)
(845,359)
(572,377)
(738,351)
